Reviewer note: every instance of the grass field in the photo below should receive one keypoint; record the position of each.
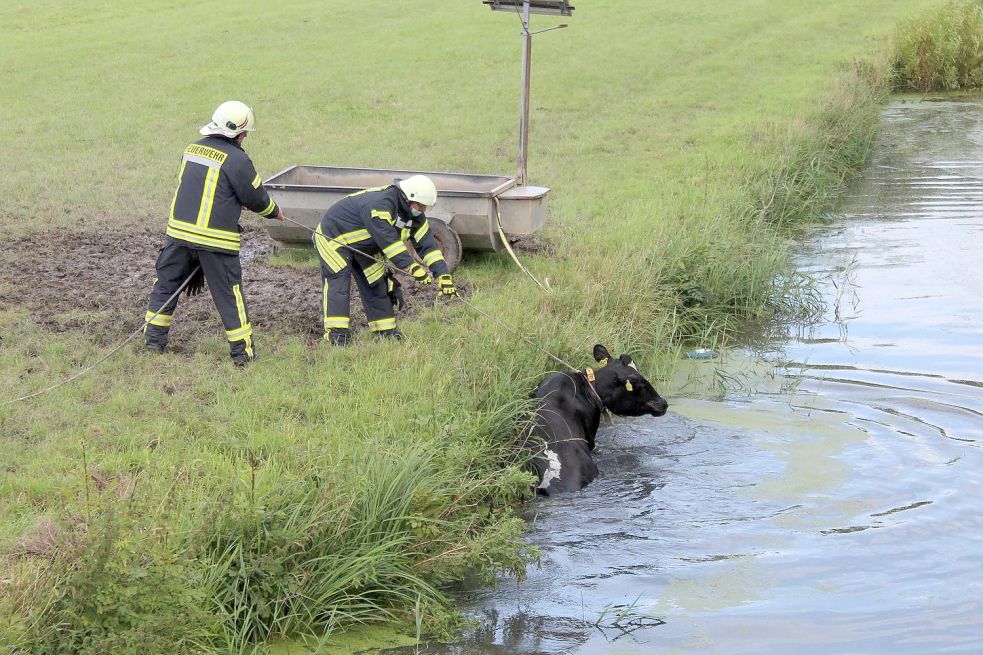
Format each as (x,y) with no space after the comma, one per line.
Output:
(164,504)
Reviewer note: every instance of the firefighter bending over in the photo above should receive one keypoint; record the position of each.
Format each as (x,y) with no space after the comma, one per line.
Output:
(217,179)
(376,221)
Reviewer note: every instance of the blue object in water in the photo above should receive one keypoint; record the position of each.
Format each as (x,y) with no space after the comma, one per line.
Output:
(701,353)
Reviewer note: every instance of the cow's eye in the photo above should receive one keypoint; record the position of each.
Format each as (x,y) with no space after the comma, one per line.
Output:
(628,385)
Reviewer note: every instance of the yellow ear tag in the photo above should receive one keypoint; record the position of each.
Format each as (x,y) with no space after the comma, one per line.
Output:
(628,385)
(603,362)
(590,374)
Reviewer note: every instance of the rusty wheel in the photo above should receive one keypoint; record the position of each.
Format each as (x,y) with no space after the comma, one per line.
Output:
(448,242)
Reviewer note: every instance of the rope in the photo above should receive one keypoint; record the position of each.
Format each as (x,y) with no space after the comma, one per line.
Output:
(508,247)
(517,333)
(392,266)
(111,352)
(461,298)
(385,263)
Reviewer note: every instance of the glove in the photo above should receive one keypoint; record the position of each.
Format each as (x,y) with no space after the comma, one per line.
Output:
(395,291)
(420,274)
(196,284)
(446,283)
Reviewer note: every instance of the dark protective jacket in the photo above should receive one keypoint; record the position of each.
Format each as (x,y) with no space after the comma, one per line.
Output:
(376,221)
(217,180)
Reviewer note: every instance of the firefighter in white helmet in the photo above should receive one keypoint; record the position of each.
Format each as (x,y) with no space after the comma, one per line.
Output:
(217,179)
(375,221)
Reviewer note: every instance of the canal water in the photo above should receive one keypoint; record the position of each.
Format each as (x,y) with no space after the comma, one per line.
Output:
(830,498)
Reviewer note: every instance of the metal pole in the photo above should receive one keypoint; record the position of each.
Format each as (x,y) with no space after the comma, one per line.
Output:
(524,100)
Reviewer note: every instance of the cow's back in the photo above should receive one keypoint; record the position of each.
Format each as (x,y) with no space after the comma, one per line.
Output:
(562,427)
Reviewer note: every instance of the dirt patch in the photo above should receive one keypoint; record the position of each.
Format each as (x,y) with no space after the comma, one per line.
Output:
(100,281)
(41,541)
(532,244)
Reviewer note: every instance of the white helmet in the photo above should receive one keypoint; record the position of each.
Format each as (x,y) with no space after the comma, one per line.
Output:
(419,188)
(230,119)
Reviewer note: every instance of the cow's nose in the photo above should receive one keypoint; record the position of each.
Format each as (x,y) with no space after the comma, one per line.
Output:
(658,407)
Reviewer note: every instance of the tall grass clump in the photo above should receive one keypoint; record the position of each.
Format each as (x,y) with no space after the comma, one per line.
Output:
(310,556)
(274,550)
(821,154)
(941,50)
(111,587)
(738,276)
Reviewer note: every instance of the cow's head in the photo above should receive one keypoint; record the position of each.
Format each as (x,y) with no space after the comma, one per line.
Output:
(623,389)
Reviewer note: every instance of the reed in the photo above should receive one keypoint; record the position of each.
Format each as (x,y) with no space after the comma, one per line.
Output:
(941,50)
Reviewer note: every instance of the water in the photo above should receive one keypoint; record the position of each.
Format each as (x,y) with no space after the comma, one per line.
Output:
(831,503)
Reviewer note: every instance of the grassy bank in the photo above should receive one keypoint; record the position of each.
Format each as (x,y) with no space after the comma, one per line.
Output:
(177,504)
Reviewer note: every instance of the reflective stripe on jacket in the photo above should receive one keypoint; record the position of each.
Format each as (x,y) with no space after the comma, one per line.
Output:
(217,179)
(376,221)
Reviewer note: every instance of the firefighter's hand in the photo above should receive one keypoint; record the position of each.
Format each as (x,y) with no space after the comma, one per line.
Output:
(395,292)
(196,284)
(420,274)
(279,214)
(447,286)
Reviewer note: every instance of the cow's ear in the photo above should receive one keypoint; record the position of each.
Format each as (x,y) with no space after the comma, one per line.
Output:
(627,361)
(601,353)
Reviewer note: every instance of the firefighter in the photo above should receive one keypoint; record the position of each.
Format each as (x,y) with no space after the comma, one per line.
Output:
(217,179)
(375,221)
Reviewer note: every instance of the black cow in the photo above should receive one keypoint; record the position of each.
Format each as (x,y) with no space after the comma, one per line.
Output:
(568,410)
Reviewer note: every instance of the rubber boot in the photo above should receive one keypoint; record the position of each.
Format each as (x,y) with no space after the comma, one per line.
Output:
(155,339)
(339,337)
(242,351)
(390,334)
(240,361)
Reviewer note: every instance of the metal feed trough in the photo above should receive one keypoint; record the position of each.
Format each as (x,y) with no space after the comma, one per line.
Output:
(465,213)
(468,206)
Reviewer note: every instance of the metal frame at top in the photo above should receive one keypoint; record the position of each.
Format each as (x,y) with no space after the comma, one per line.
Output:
(548,7)
(523,9)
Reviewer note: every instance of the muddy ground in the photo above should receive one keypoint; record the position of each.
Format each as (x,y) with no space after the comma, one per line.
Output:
(99,282)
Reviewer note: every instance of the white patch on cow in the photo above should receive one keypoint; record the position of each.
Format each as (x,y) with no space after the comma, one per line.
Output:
(553,472)
(632,365)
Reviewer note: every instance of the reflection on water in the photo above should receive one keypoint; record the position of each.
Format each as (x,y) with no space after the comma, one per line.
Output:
(842,518)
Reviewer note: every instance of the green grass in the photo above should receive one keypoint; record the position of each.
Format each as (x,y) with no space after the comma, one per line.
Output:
(322,488)
(941,50)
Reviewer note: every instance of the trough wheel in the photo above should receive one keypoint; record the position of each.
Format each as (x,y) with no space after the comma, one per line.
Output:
(447,240)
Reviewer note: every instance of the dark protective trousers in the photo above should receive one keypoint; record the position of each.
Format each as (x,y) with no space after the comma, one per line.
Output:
(336,290)
(223,273)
